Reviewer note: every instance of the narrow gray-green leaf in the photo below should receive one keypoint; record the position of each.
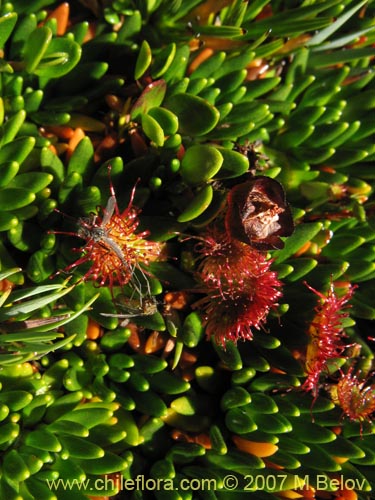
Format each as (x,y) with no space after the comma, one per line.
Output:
(332,28)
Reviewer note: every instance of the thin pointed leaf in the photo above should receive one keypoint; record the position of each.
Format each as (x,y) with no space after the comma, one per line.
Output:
(332,28)
(9,272)
(30,292)
(27,325)
(31,305)
(37,349)
(342,41)
(28,338)
(11,359)
(67,317)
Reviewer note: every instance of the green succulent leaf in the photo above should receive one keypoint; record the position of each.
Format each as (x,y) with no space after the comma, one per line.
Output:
(163,60)
(153,130)
(166,119)
(109,463)
(33,181)
(60,57)
(44,440)
(143,61)
(200,163)
(198,204)
(234,164)
(8,221)
(192,330)
(8,171)
(302,234)
(17,150)
(195,115)
(12,127)
(151,97)
(14,467)
(13,198)
(36,47)
(7,24)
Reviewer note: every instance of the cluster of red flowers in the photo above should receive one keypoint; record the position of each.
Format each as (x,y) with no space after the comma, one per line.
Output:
(239,287)
(326,335)
(354,395)
(234,273)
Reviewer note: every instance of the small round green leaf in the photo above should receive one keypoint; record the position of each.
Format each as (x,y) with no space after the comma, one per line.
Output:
(196,116)
(238,421)
(60,57)
(173,142)
(40,266)
(163,60)
(234,164)
(9,431)
(192,330)
(217,204)
(235,397)
(200,163)
(198,204)
(166,119)
(151,97)
(153,130)
(7,24)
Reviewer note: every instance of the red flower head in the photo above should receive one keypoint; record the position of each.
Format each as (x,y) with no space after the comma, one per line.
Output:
(356,397)
(239,286)
(112,245)
(326,334)
(224,259)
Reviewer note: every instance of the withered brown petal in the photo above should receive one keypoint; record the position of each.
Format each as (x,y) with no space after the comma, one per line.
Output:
(258,213)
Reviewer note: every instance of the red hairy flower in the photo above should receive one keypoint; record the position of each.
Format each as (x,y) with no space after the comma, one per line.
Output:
(356,397)
(225,259)
(112,245)
(326,334)
(240,288)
